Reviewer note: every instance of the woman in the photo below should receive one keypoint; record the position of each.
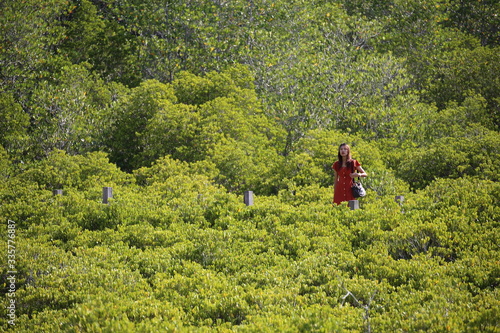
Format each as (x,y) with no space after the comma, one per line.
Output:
(343,169)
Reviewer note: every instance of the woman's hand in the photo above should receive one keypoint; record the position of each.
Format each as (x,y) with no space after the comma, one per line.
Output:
(360,173)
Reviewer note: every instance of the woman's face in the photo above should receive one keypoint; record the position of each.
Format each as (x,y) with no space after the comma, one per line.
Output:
(344,151)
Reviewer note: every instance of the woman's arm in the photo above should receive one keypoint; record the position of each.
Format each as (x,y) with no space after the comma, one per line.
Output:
(335,178)
(360,173)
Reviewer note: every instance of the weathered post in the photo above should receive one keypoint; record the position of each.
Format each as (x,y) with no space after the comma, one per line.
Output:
(399,199)
(353,204)
(107,193)
(248,198)
(57,192)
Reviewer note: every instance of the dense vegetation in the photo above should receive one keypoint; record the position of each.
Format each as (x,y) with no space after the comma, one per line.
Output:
(181,105)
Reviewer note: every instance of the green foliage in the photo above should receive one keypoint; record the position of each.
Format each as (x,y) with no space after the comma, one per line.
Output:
(5,164)
(181,106)
(462,72)
(31,33)
(83,27)
(70,112)
(172,131)
(478,19)
(103,42)
(131,119)
(215,118)
(311,162)
(60,171)
(14,123)
(172,251)
(474,154)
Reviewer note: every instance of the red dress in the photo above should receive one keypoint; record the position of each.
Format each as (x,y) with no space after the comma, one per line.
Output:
(342,191)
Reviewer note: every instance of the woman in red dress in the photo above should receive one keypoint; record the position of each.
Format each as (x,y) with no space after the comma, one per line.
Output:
(343,169)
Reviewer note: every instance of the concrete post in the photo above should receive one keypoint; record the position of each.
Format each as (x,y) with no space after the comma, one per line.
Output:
(353,204)
(248,198)
(57,192)
(399,199)
(107,193)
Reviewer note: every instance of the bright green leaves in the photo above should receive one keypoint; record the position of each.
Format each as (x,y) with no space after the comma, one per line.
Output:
(61,171)
(191,89)
(215,118)
(194,257)
(476,154)
(171,131)
(166,167)
(131,119)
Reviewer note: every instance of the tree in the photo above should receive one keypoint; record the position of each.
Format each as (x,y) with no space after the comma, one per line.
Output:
(462,72)
(221,121)
(477,18)
(13,125)
(131,118)
(71,112)
(30,37)
(474,153)
(94,36)
(171,131)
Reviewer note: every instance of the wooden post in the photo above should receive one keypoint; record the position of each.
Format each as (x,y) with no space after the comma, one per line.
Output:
(353,204)
(57,192)
(399,199)
(248,198)
(107,193)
